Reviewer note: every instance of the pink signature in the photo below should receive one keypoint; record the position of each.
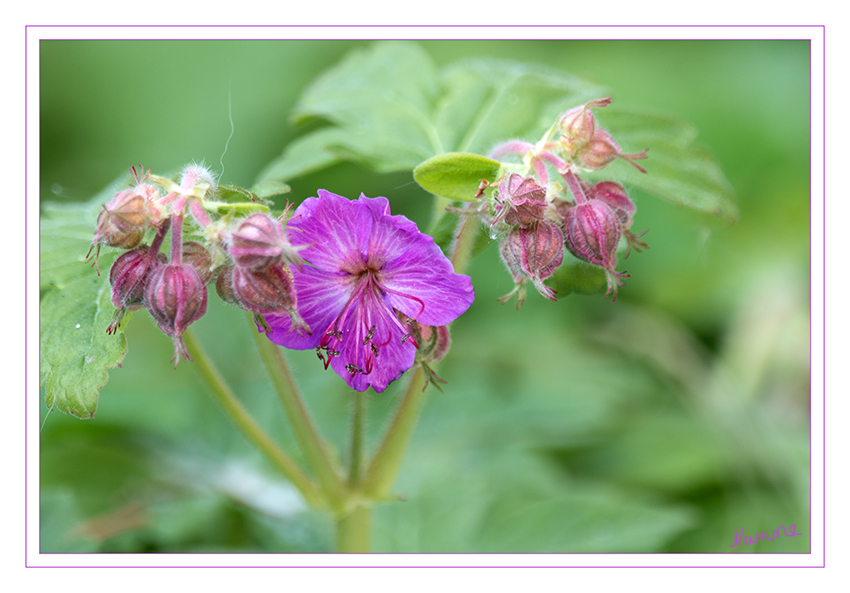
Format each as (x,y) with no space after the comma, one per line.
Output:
(750,540)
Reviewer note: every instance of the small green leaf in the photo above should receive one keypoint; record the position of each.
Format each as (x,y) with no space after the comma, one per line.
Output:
(576,276)
(76,310)
(456,175)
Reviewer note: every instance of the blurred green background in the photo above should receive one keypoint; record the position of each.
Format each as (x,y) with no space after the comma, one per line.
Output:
(661,423)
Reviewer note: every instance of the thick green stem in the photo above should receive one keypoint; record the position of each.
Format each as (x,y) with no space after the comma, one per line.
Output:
(353,531)
(387,461)
(312,446)
(249,427)
(358,417)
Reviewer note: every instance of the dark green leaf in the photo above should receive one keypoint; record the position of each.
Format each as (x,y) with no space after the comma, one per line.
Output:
(75,310)
(456,175)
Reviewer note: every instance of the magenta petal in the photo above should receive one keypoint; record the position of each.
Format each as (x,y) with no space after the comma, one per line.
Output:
(390,358)
(423,276)
(335,230)
(320,296)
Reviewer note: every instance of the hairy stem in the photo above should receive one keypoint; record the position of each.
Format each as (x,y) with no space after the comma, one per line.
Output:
(246,423)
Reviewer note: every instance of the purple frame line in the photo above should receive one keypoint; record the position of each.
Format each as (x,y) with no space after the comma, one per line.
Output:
(26,317)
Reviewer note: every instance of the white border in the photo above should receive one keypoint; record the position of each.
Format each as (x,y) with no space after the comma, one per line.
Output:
(815,34)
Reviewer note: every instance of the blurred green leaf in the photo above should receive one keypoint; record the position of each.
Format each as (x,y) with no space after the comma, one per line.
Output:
(76,309)
(390,109)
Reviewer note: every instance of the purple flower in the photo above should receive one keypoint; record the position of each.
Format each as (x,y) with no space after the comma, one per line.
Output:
(365,266)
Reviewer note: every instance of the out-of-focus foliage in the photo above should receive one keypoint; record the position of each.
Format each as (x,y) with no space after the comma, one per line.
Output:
(661,423)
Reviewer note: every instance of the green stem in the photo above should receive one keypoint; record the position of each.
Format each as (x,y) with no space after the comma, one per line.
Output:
(353,531)
(358,420)
(387,461)
(249,427)
(312,446)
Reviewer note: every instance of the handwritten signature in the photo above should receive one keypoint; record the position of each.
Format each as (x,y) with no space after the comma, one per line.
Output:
(750,540)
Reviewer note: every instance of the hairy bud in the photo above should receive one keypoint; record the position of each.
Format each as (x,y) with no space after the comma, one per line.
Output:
(532,254)
(520,201)
(260,242)
(175,296)
(265,292)
(592,232)
(197,256)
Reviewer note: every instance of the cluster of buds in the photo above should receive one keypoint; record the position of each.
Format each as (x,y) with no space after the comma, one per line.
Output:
(248,255)
(258,278)
(535,219)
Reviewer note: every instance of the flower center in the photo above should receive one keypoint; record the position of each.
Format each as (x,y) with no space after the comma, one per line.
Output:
(368,320)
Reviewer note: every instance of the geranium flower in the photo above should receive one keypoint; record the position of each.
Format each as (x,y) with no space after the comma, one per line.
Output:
(364,266)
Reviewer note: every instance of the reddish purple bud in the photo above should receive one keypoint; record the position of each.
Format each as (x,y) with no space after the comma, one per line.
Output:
(197,256)
(175,296)
(520,201)
(129,274)
(224,287)
(260,242)
(592,232)
(128,277)
(614,195)
(266,292)
(532,254)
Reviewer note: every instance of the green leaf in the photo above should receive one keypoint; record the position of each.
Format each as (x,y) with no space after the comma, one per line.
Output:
(456,175)
(679,169)
(390,108)
(76,309)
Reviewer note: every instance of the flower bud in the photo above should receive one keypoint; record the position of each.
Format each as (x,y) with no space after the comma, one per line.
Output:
(583,139)
(532,254)
(224,287)
(175,296)
(197,256)
(614,195)
(592,232)
(265,292)
(578,124)
(123,220)
(129,274)
(520,201)
(260,242)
